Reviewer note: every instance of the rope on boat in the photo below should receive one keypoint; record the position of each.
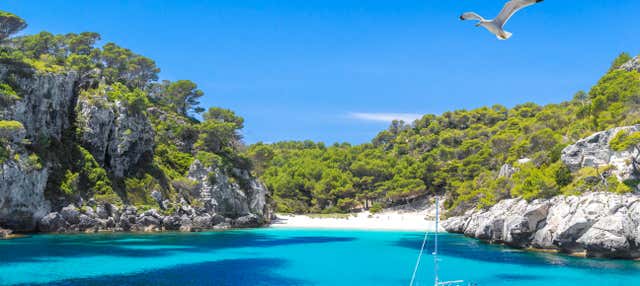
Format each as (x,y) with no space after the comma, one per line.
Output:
(415,269)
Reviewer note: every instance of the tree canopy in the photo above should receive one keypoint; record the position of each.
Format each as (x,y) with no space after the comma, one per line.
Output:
(458,154)
(10,24)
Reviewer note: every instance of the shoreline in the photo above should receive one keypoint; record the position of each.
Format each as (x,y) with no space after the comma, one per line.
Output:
(404,221)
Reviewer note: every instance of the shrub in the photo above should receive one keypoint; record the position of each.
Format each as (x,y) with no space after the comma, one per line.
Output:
(623,140)
(34,162)
(138,190)
(531,183)
(4,151)
(376,208)
(209,159)
(69,185)
(169,156)
(7,95)
(10,125)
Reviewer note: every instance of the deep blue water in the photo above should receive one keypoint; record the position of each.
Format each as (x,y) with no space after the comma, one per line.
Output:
(287,257)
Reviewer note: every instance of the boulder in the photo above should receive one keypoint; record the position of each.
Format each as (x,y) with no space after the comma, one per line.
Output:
(71,214)
(102,212)
(86,223)
(171,222)
(203,222)
(52,222)
(186,225)
(250,220)
(611,236)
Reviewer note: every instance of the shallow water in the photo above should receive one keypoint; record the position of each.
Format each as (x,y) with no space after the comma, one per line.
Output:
(287,257)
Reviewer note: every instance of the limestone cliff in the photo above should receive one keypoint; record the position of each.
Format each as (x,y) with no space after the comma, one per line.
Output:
(46,120)
(600,224)
(22,182)
(595,151)
(115,136)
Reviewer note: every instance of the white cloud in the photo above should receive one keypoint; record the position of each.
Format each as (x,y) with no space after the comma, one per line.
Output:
(385,117)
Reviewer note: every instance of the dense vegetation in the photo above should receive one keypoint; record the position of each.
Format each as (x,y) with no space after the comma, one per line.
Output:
(458,154)
(107,75)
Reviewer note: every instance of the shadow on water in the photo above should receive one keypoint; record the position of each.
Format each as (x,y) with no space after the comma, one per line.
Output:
(234,272)
(51,247)
(459,246)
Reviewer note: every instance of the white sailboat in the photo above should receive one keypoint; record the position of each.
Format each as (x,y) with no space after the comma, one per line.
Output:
(437,281)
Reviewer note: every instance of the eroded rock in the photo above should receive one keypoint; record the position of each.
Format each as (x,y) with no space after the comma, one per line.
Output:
(600,224)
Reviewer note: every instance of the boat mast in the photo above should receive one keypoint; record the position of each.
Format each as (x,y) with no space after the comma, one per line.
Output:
(435,251)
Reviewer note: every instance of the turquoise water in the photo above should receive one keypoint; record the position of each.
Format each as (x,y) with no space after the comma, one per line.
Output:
(287,257)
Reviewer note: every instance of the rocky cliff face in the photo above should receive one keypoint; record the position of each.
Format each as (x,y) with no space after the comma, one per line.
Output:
(22,183)
(116,137)
(216,203)
(46,107)
(221,195)
(632,65)
(45,101)
(41,109)
(598,224)
(595,151)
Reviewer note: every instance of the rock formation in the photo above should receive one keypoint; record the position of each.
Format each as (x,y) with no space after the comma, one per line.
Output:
(594,151)
(49,106)
(115,136)
(22,183)
(631,65)
(598,224)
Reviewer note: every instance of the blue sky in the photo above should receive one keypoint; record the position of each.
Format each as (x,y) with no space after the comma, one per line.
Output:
(338,70)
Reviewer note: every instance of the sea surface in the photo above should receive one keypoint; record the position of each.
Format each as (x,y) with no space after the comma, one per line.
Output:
(288,257)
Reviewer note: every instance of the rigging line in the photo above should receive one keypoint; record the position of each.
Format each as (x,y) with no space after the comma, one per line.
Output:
(415,269)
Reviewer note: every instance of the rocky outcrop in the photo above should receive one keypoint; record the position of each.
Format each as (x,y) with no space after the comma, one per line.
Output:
(22,182)
(116,137)
(45,101)
(631,65)
(107,217)
(598,224)
(220,194)
(506,171)
(215,202)
(595,151)
(43,107)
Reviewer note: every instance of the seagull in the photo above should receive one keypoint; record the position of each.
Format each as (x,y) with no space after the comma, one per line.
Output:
(496,25)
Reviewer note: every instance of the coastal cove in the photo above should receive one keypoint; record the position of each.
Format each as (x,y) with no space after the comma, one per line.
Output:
(270,256)
(115,173)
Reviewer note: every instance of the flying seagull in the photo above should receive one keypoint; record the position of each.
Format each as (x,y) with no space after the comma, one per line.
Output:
(496,25)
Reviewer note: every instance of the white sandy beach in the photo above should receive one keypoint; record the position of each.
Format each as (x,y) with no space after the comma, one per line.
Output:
(403,218)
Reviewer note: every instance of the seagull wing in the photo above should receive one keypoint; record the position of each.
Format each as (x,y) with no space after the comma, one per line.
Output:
(471,16)
(511,8)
